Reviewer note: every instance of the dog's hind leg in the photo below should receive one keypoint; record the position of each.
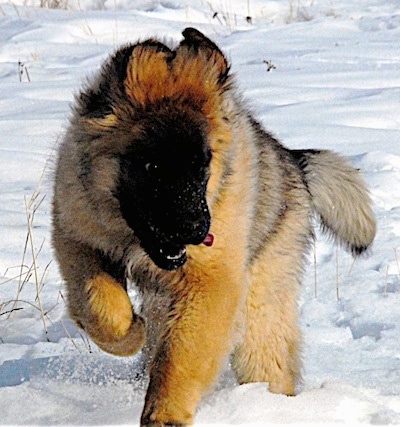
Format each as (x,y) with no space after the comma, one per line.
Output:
(271,345)
(97,298)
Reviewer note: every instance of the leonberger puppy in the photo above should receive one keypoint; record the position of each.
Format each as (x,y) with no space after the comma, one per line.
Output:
(164,178)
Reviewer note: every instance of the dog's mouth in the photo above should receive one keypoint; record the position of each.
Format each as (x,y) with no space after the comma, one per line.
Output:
(178,254)
(172,256)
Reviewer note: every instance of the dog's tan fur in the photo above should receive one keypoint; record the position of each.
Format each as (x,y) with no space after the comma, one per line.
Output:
(237,297)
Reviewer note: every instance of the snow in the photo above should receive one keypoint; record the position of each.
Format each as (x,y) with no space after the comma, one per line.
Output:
(334,84)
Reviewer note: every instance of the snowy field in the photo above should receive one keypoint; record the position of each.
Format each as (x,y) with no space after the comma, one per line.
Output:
(317,73)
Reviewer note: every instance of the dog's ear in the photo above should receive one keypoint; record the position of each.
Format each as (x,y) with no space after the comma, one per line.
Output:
(197,42)
(148,72)
(95,101)
(98,99)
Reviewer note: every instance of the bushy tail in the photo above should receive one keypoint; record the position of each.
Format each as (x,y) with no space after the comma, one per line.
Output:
(340,197)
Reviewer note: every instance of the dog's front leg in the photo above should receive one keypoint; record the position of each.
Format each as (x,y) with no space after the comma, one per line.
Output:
(97,297)
(196,341)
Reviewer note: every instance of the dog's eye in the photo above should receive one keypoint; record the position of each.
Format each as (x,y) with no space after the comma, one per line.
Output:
(153,169)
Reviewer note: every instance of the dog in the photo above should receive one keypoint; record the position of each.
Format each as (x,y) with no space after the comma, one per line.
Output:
(164,177)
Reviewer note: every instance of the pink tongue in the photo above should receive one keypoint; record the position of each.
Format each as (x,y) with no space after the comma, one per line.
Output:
(209,240)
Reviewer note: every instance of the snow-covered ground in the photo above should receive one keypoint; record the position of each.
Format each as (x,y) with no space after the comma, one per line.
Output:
(318,73)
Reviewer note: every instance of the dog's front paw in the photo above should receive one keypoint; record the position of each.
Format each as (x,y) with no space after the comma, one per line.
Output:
(147,422)
(112,324)
(164,414)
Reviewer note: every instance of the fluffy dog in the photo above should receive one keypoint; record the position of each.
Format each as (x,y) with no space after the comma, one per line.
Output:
(165,178)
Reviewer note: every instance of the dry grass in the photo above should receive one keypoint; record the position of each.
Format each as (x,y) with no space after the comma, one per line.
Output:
(31,272)
(29,269)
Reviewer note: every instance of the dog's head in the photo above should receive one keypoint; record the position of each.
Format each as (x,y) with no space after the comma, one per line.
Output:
(162,188)
(157,111)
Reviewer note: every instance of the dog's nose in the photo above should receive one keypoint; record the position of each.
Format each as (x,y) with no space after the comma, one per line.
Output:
(194,232)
